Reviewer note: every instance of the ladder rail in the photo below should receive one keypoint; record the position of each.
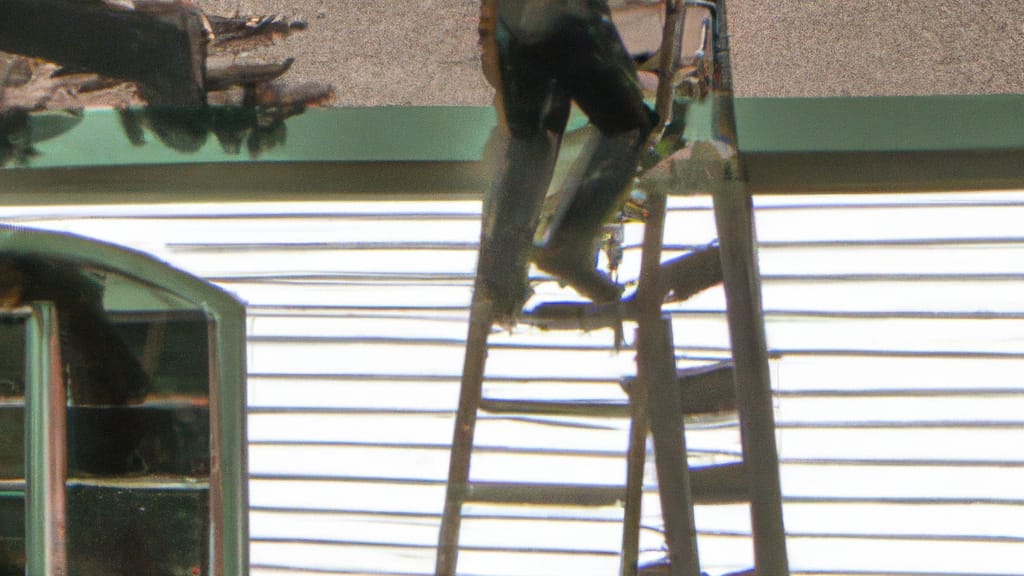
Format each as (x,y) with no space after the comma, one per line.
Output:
(656,371)
(636,455)
(656,375)
(651,332)
(470,393)
(734,220)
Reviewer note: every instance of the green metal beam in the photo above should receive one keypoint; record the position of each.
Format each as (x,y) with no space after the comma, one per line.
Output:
(789,145)
(881,124)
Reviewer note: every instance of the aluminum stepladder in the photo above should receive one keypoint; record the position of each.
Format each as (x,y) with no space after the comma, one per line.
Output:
(711,166)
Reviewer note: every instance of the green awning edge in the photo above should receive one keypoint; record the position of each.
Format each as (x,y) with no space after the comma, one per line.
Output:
(789,145)
(881,124)
(458,133)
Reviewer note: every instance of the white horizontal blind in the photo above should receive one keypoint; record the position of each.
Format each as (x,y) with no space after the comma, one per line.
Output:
(896,325)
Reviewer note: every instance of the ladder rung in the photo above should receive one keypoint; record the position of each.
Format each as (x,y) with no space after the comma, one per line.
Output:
(720,484)
(692,273)
(682,278)
(598,409)
(544,494)
(708,389)
(584,316)
(717,484)
(704,389)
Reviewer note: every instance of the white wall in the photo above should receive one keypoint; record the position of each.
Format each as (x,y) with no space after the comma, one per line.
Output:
(896,322)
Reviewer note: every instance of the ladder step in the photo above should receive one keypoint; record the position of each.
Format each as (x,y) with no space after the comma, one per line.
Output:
(708,389)
(584,316)
(692,273)
(703,389)
(681,277)
(718,484)
(544,494)
(596,409)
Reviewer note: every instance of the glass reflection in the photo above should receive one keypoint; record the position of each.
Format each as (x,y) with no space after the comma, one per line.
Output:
(255,129)
(21,130)
(136,364)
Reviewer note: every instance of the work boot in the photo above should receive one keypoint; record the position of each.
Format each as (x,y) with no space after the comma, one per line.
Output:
(575,265)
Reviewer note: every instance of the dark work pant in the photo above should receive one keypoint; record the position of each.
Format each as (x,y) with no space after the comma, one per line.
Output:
(548,54)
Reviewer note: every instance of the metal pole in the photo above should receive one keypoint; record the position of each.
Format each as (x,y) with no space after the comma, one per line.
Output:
(649,296)
(636,457)
(656,372)
(734,216)
(45,446)
(480,320)
(668,61)
(733,213)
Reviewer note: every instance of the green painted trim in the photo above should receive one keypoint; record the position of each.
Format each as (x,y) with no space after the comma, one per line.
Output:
(458,133)
(318,135)
(884,172)
(229,366)
(788,145)
(881,124)
(242,182)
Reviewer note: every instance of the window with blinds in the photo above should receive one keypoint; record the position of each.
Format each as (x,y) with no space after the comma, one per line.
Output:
(895,324)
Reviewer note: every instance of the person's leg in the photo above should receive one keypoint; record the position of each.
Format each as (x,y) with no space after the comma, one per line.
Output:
(534,110)
(600,76)
(570,252)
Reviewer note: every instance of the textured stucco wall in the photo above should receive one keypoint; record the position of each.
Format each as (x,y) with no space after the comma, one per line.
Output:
(877,47)
(380,52)
(424,52)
